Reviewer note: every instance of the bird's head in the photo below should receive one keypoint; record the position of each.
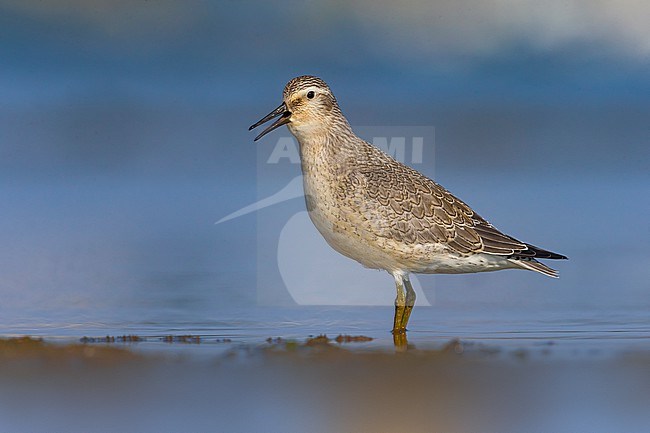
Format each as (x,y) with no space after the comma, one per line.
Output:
(308,108)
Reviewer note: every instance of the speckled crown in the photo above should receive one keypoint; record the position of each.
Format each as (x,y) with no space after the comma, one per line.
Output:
(303,82)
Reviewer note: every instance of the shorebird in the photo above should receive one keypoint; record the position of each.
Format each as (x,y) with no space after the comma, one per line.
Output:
(382,213)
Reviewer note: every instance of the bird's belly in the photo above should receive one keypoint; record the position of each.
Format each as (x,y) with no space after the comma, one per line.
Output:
(346,239)
(340,227)
(455,264)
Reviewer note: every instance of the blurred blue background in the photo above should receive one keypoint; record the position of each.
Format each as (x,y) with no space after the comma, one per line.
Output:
(123,138)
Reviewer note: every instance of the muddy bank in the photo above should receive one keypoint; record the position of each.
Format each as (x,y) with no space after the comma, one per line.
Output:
(317,385)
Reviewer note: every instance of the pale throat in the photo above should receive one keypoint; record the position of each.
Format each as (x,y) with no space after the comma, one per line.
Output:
(308,133)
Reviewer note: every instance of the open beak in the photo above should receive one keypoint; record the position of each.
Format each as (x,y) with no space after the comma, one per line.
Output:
(285,117)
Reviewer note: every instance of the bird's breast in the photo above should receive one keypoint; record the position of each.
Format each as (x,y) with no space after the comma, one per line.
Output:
(327,208)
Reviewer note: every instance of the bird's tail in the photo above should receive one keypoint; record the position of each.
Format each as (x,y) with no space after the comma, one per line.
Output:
(534,265)
(526,259)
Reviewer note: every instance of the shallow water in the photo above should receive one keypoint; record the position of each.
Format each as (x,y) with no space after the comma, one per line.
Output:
(141,256)
(562,334)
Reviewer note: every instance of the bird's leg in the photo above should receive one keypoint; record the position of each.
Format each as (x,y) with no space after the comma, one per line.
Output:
(400,305)
(404,303)
(410,302)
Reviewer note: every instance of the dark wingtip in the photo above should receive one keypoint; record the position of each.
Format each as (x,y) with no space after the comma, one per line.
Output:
(540,253)
(550,255)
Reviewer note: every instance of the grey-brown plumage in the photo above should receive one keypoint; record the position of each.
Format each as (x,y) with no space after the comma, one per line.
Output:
(382,213)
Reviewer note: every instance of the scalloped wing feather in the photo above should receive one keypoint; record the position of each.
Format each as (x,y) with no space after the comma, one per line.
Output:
(407,206)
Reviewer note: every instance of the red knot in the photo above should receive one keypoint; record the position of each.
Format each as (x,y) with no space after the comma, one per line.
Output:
(382,213)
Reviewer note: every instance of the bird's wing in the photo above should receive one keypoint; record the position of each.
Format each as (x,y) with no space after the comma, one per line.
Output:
(402,204)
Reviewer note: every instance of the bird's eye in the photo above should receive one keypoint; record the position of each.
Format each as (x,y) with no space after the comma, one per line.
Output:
(310,94)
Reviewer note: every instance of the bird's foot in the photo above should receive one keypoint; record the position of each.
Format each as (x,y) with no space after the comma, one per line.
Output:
(400,340)
(402,315)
